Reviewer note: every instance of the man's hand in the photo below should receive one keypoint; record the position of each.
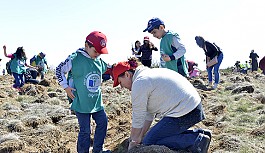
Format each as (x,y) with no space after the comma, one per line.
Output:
(69,92)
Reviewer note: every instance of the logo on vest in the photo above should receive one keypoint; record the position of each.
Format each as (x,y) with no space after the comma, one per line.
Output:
(93,81)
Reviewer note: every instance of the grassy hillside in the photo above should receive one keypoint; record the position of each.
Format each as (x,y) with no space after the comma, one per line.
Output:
(39,119)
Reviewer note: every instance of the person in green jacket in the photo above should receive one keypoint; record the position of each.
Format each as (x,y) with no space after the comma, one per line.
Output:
(171,49)
(83,87)
(40,62)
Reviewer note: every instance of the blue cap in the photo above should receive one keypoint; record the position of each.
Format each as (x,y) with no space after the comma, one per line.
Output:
(153,23)
(42,55)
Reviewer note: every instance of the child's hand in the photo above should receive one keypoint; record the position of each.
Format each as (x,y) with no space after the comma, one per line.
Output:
(69,92)
(166,58)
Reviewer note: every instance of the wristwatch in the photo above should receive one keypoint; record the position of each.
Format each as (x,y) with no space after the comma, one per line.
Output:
(133,141)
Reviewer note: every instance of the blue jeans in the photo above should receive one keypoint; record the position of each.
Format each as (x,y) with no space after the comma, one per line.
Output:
(83,142)
(19,80)
(216,70)
(173,132)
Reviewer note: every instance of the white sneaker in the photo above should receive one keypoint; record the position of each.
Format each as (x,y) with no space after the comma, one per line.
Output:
(215,86)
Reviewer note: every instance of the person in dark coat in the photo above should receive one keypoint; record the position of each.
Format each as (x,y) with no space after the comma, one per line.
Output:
(146,50)
(254,60)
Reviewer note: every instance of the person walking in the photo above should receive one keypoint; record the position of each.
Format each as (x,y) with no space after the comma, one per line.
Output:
(165,94)
(82,86)
(171,49)
(212,51)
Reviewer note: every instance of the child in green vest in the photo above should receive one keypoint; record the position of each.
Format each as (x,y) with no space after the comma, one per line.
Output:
(171,49)
(85,69)
(18,66)
(40,62)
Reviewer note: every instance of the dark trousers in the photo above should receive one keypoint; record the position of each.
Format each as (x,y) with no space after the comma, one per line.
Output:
(176,136)
(147,62)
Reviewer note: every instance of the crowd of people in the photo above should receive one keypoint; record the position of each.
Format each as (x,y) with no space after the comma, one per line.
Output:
(251,65)
(163,92)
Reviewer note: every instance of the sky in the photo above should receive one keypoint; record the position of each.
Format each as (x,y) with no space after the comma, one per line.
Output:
(59,27)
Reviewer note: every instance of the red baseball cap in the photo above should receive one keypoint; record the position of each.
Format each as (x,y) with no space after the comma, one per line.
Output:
(99,41)
(146,38)
(118,69)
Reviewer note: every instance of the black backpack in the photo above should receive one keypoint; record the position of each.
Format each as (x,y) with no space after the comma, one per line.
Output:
(8,64)
(8,68)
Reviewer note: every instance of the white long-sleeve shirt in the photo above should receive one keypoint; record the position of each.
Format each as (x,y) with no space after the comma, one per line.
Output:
(160,92)
(65,67)
(176,43)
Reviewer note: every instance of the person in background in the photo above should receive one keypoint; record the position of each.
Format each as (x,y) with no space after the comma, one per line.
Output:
(146,51)
(237,66)
(40,62)
(4,71)
(83,87)
(254,60)
(191,66)
(31,76)
(18,66)
(246,67)
(171,49)
(136,49)
(211,50)
(262,65)
(164,94)
(195,72)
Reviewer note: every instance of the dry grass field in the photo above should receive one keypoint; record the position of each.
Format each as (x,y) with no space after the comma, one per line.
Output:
(39,119)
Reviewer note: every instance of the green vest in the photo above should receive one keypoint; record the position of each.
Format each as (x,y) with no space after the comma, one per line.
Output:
(41,62)
(242,65)
(87,76)
(17,65)
(165,48)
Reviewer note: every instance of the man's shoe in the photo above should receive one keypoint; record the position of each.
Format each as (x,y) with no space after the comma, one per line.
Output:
(106,151)
(204,131)
(201,144)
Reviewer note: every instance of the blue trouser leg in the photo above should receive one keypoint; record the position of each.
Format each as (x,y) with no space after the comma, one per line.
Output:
(170,135)
(172,131)
(83,141)
(42,75)
(216,70)
(19,80)
(101,130)
(22,80)
(181,141)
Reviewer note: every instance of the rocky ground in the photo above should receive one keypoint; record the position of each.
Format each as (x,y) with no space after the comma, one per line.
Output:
(39,120)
